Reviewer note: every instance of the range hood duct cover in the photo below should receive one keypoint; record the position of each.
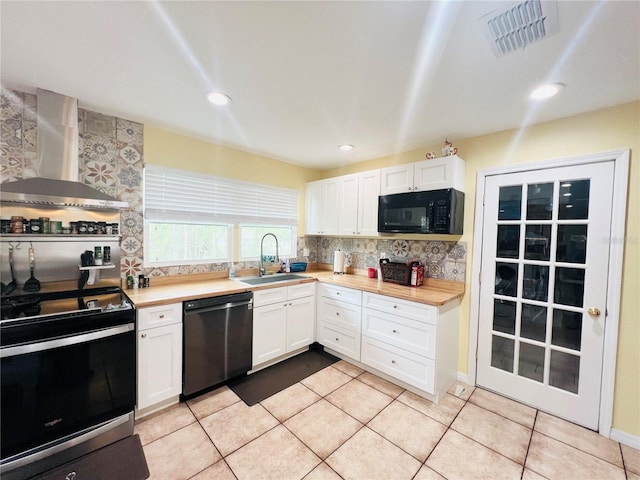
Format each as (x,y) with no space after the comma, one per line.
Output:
(57,182)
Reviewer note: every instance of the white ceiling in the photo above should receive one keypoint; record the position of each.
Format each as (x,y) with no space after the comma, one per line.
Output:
(307,76)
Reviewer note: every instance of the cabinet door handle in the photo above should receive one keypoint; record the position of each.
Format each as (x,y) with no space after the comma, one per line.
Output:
(337,314)
(290,304)
(337,339)
(144,335)
(393,362)
(395,331)
(161,315)
(395,306)
(410,188)
(337,293)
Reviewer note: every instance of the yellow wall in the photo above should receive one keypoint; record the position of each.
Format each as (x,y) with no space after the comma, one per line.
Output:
(169,149)
(608,129)
(602,130)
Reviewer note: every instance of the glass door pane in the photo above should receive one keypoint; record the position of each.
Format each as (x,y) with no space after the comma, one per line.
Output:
(522,320)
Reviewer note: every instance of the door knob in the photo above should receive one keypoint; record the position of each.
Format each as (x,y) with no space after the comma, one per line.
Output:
(594,312)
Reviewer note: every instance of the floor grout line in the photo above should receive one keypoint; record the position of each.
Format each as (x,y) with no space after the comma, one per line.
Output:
(423,464)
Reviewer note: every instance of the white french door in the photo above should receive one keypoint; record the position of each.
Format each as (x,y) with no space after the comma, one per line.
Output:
(545,257)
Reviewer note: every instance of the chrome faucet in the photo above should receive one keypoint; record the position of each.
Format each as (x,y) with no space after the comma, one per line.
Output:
(261,270)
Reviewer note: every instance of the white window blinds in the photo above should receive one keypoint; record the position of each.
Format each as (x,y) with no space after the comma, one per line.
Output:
(181,196)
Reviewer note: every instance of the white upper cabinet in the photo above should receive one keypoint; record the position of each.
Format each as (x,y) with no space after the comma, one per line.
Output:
(346,205)
(329,206)
(397,179)
(368,192)
(435,174)
(313,208)
(358,203)
(321,207)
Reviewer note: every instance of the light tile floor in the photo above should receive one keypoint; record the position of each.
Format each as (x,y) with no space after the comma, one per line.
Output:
(345,423)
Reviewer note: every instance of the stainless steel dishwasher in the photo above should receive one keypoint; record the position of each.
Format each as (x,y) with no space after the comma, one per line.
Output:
(218,333)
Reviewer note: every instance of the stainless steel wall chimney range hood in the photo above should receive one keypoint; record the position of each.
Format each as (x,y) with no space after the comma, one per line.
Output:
(57,181)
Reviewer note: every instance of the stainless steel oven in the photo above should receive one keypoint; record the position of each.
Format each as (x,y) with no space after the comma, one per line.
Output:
(68,376)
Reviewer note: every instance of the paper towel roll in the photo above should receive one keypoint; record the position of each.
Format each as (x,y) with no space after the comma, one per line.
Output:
(338,262)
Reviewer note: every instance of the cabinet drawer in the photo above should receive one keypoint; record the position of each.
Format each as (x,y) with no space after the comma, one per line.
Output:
(340,293)
(269,296)
(339,339)
(404,308)
(411,335)
(343,314)
(301,290)
(152,317)
(401,364)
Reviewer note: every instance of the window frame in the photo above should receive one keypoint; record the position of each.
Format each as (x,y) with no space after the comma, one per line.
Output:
(148,262)
(185,197)
(293,239)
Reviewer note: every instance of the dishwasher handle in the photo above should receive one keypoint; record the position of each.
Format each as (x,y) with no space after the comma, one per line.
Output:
(190,307)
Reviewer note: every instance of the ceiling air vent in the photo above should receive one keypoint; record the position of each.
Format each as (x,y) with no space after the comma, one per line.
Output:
(520,24)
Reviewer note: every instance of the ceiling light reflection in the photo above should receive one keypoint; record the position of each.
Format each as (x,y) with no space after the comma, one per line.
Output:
(546,91)
(218,98)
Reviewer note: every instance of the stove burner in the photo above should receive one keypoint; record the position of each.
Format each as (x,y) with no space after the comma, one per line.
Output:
(64,302)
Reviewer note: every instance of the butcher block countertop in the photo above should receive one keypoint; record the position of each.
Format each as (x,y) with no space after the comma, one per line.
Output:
(166,290)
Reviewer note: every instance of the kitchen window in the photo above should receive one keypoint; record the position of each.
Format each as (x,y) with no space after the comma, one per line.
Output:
(192,218)
(251,235)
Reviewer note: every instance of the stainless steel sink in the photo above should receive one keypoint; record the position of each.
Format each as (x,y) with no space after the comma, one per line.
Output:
(272,278)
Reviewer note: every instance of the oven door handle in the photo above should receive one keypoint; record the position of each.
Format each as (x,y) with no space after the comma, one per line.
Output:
(66,341)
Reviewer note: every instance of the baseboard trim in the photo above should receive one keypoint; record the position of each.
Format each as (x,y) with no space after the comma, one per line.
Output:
(464,378)
(626,438)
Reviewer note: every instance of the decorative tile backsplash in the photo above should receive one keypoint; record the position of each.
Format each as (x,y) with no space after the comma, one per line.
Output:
(442,259)
(111,160)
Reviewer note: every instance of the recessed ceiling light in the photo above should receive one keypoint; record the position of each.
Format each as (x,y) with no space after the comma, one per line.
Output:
(218,98)
(546,91)
(346,147)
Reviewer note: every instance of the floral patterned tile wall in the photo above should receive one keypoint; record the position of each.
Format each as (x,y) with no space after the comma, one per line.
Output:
(110,154)
(442,259)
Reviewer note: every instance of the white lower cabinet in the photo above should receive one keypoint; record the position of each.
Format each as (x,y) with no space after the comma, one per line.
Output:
(402,364)
(339,319)
(283,321)
(413,342)
(159,342)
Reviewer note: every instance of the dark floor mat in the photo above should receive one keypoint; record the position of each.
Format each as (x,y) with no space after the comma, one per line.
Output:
(256,387)
(122,460)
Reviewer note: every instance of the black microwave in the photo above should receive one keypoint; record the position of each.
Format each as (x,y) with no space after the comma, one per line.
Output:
(435,211)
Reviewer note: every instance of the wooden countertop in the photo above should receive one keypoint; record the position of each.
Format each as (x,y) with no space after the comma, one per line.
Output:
(433,292)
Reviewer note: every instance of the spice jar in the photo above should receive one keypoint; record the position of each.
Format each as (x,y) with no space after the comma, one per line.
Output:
(16,224)
(45,226)
(97,255)
(35,226)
